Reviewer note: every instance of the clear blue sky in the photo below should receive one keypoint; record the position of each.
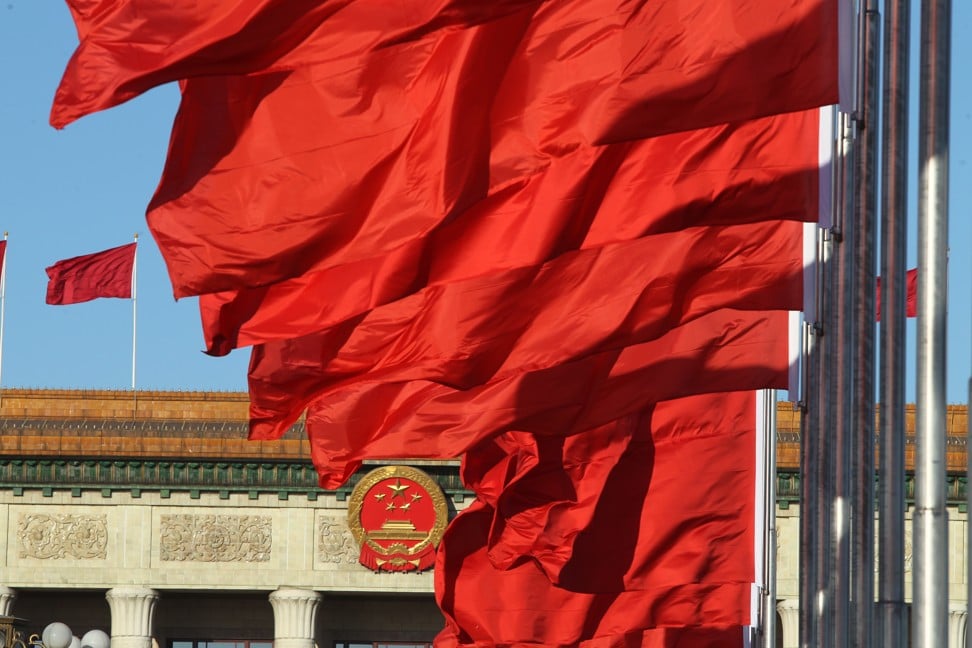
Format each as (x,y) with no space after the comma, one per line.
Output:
(84,189)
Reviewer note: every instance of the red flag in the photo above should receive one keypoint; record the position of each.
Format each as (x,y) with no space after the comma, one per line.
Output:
(128,47)
(721,58)
(83,278)
(468,332)
(3,254)
(376,418)
(911,294)
(598,513)
(759,170)
(420,146)
(552,494)
(486,606)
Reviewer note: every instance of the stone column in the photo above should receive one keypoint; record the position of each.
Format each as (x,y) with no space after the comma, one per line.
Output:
(789,630)
(957,617)
(132,615)
(7,597)
(294,617)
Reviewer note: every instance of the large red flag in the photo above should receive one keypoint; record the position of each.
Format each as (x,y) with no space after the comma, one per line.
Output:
(763,169)
(83,278)
(128,47)
(485,606)
(599,514)
(468,332)
(721,351)
(248,200)
(552,494)
(723,58)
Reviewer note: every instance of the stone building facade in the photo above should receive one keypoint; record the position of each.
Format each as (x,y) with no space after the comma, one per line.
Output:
(151,516)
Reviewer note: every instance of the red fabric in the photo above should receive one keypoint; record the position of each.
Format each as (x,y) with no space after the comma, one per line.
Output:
(128,46)
(485,606)
(609,537)
(425,126)
(758,170)
(469,332)
(725,59)
(251,194)
(87,277)
(911,294)
(558,499)
(381,418)
(3,252)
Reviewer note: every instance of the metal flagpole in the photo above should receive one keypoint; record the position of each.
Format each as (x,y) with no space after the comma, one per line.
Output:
(815,489)
(891,627)
(134,321)
(3,308)
(930,514)
(840,578)
(769,499)
(862,308)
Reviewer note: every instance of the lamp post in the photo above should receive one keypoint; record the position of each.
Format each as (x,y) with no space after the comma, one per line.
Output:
(54,635)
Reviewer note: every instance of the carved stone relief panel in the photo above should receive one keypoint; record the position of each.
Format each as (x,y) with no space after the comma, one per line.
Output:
(334,541)
(53,537)
(215,538)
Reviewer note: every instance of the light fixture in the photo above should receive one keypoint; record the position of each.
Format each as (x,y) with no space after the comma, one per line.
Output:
(55,635)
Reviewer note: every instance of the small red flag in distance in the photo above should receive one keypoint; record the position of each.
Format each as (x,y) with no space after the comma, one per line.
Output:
(90,276)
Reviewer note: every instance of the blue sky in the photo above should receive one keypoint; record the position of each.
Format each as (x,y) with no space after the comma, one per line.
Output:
(84,189)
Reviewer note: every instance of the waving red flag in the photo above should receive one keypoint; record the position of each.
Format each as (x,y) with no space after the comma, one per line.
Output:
(486,606)
(552,495)
(465,333)
(83,278)
(765,169)
(443,120)
(911,294)
(595,515)
(128,47)
(375,418)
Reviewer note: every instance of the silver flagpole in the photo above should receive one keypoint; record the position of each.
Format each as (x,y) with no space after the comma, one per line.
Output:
(930,627)
(891,626)
(3,307)
(769,492)
(862,308)
(844,392)
(134,320)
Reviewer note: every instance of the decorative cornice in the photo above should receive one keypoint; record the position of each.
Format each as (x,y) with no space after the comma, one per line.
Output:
(788,489)
(165,476)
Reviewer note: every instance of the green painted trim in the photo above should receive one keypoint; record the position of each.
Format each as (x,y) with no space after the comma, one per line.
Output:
(164,476)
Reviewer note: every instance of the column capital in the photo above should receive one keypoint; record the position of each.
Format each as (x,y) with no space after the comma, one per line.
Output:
(789,630)
(957,620)
(294,617)
(132,615)
(7,597)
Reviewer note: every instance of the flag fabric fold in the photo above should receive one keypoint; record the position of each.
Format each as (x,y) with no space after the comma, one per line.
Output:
(722,351)
(91,276)
(440,128)
(613,512)
(764,169)
(485,606)
(467,333)
(557,498)
(128,47)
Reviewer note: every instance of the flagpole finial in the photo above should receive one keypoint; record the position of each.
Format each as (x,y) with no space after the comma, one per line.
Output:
(136,236)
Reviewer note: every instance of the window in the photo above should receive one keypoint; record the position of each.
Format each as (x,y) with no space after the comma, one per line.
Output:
(220,643)
(381,644)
